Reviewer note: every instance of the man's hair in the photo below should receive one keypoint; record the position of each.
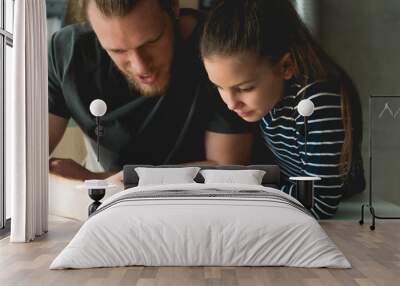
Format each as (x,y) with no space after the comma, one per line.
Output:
(120,8)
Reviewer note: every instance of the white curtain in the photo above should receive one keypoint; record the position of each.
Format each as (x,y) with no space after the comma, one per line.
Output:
(26,124)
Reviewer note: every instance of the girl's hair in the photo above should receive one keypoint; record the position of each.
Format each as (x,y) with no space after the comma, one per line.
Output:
(270,29)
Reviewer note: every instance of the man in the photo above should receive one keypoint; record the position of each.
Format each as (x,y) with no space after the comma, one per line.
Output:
(141,58)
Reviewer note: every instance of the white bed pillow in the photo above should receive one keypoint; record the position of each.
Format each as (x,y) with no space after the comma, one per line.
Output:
(248,177)
(165,176)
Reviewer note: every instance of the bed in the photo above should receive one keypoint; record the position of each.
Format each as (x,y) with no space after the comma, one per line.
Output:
(201,223)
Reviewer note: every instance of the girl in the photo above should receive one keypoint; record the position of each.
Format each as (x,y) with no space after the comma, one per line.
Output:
(263,61)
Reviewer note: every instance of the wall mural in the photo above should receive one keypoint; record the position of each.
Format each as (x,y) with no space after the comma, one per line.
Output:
(62,12)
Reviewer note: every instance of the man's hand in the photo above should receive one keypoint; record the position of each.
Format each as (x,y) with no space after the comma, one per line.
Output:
(117,179)
(70,169)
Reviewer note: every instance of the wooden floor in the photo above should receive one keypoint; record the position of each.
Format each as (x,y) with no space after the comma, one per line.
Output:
(375,257)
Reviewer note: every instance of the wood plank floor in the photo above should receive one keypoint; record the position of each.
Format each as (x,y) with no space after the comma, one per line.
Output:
(375,257)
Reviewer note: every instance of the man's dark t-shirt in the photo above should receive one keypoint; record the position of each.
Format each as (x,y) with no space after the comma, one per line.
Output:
(137,129)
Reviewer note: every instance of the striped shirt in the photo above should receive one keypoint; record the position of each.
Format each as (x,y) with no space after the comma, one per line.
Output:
(283,131)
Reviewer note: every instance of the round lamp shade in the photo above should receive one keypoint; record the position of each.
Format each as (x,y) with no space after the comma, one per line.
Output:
(98,107)
(305,107)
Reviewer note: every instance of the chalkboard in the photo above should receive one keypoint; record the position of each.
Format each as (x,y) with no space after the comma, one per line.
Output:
(384,148)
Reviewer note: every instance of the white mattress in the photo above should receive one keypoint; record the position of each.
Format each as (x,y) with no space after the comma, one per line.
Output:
(189,231)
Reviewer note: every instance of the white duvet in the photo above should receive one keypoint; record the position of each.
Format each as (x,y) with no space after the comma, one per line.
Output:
(207,230)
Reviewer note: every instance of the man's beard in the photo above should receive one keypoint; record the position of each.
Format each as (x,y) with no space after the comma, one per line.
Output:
(158,89)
